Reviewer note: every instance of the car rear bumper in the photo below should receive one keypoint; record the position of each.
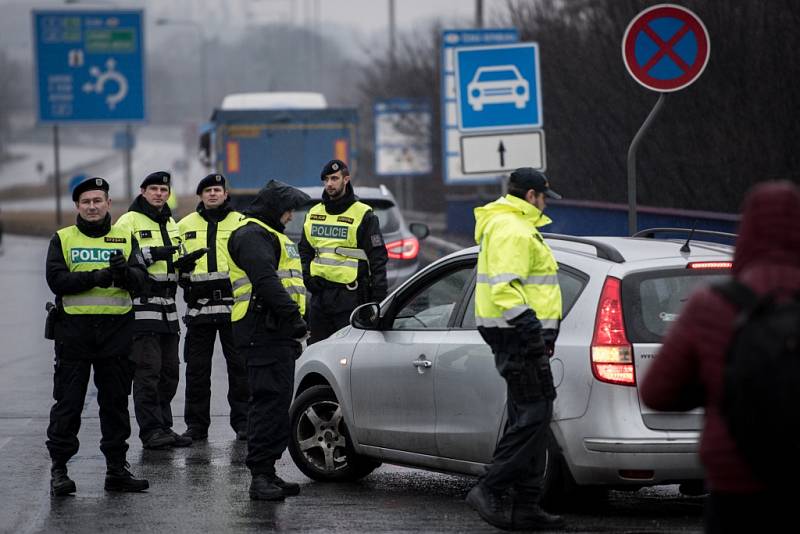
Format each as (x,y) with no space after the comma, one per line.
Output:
(639,457)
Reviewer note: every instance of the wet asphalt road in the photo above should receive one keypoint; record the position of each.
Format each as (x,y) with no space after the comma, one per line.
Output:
(204,488)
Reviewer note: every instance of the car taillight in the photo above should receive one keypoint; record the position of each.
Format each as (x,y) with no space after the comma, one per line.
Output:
(403,249)
(612,354)
(710,265)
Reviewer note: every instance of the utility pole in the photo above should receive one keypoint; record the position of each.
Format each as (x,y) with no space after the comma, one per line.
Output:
(57,174)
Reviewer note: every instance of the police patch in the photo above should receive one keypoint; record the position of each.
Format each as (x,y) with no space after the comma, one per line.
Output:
(329,230)
(115,239)
(190,235)
(90,255)
(145,234)
(376,239)
(291,250)
(342,218)
(317,217)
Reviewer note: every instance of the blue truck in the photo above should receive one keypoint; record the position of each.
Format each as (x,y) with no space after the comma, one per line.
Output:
(253,137)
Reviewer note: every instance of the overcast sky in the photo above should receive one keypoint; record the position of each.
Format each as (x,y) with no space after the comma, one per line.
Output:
(366,19)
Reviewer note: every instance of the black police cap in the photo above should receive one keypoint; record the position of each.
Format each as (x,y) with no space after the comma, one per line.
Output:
(211,179)
(333,166)
(156,178)
(90,184)
(529,178)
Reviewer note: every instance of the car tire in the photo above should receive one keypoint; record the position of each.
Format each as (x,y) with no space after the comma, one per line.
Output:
(319,441)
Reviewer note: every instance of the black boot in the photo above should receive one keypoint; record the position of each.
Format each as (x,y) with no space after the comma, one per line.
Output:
(528,515)
(60,483)
(181,440)
(290,489)
(118,478)
(489,505)
(264,488)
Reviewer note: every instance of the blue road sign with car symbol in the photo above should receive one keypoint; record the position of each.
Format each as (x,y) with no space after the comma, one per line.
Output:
(498,87)
(89,65)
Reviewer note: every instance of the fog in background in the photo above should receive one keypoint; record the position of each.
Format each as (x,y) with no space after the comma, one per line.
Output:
(733,127)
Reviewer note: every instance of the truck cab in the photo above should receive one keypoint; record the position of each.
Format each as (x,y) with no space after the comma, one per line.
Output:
(254,137)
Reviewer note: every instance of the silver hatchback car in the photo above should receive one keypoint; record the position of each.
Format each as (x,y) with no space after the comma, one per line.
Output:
(412,382)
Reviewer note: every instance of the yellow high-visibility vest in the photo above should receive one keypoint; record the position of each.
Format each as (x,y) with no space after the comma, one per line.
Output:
(83,253)
(327,233)
(163,281)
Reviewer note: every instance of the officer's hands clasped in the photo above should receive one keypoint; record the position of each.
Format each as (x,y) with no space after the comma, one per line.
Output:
(118,266)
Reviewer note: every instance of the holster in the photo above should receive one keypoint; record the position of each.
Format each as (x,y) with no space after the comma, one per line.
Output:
(50,321)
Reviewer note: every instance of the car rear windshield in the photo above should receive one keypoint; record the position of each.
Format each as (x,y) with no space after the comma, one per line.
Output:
(387,216)
(652,301)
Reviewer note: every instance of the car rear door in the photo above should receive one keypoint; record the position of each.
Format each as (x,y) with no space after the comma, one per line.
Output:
(652,301)
(392,369)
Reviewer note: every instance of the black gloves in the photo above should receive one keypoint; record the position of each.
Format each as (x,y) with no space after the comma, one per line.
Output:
(297,329)
(154,254)
(163,253)
(119,268)
(187,262)
(529,328)
(102,278)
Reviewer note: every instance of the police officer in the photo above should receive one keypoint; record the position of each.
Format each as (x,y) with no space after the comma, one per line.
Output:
(517,311)
(209,298)
(91,267)
(155,341)
(343,254)
(269,302)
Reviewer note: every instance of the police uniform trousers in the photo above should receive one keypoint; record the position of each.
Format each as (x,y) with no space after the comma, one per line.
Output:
(519,460)
(329,310)
(270,373)
(198,352)
(155,381)
(112,377)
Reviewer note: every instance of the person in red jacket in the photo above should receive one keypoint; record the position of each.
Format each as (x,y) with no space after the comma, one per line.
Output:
(767,259)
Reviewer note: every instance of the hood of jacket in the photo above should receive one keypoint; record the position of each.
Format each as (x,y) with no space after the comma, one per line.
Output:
(141,205)
(507,205)
(274,200)
(769,232)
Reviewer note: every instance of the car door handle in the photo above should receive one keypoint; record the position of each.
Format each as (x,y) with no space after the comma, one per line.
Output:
(421,362)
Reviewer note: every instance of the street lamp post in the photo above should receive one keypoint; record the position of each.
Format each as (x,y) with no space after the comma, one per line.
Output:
(203,57)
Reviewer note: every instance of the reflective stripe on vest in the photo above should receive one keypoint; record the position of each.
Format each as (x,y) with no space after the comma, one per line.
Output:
(83,253)
(335,242)
(290,273)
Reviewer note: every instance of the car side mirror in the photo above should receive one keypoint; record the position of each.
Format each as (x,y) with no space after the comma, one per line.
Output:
(420,230)
(367,316)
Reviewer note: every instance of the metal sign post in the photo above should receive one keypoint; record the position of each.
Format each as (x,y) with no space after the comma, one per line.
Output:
(665,48)
(57,174)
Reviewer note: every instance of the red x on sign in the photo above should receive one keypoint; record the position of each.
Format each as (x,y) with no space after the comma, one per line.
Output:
(666,47)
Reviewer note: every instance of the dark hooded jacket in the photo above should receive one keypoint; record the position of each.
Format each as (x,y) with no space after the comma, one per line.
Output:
(767,258)
(257,252)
